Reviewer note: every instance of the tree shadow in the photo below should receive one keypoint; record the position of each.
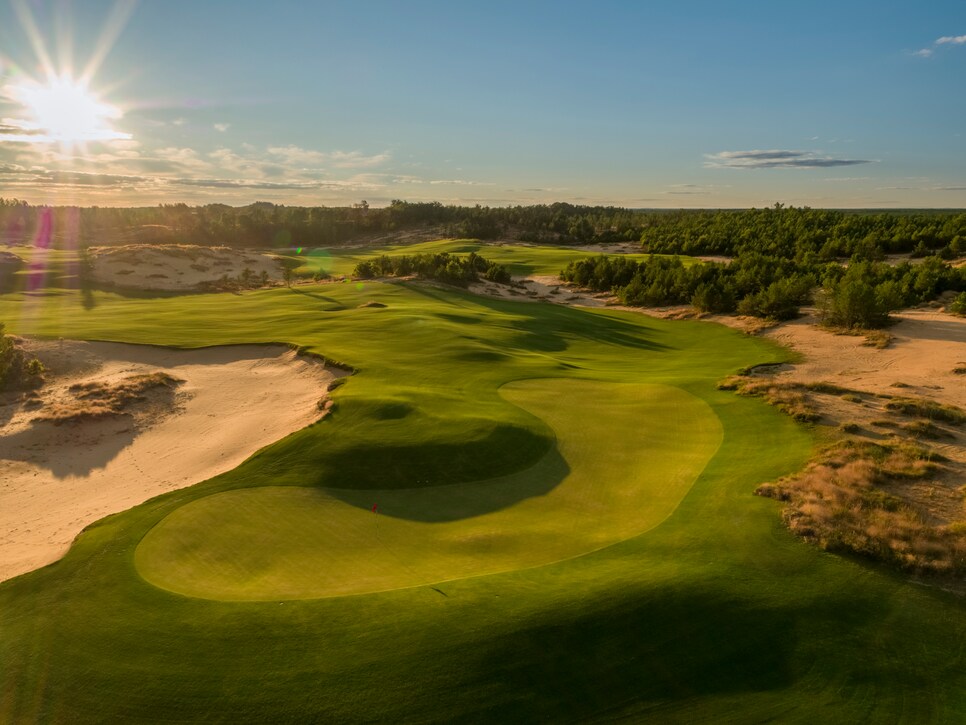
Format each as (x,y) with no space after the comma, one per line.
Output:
(337,305)
(940,330)
(68,449)
(665,645)
(546,327)
(453,502)
(10,403)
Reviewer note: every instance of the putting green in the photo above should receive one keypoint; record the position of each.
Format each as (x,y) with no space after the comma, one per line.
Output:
(625,456)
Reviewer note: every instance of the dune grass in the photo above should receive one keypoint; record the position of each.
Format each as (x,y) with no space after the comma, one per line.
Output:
(717,614)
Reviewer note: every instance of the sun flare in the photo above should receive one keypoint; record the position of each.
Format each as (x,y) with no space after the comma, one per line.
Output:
(66,111)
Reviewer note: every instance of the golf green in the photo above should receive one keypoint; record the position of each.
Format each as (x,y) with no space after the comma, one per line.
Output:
(624,457)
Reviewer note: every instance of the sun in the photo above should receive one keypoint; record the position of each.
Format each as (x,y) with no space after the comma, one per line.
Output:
(66,111)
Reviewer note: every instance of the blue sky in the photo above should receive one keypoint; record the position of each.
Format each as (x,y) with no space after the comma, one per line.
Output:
(684,104)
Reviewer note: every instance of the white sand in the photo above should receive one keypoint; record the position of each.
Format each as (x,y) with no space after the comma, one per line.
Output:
(55,480)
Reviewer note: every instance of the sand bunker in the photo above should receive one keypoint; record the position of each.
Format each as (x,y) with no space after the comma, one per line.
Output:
(927,347)
(181,266)
(60,477)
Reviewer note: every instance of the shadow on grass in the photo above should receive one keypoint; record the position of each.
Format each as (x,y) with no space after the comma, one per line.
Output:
(337,305)
(662,646)
(545,327)
(438,504)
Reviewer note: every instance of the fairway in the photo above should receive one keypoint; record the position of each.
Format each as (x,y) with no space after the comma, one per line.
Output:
(519,259)
(624,457)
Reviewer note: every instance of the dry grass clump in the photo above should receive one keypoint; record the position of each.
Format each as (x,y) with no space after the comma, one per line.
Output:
(94,400)
(879,339)
(924,408)
(837,502)
(873,338)
(830,389)
(787,397)
(926,429)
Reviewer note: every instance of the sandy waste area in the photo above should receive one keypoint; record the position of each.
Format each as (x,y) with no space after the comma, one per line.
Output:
(219,407)
(178,266)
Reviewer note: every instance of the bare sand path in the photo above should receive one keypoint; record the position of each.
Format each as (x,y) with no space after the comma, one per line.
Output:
(57,479)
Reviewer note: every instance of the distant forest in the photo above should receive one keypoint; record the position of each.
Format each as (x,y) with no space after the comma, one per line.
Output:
(790,232)
(773,260)
(271,225)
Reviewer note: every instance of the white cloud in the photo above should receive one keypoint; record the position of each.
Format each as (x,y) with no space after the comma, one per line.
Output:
(945,40)
(459,182)
(221,127)
(776,159)
(307,158)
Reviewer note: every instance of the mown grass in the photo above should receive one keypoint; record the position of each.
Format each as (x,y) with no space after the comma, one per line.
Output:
(605,479)
(717,614)
(521,260)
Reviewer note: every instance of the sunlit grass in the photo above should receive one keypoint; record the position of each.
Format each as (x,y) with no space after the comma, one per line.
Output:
(717,613)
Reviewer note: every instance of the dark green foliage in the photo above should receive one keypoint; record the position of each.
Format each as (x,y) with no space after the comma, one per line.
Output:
(780,253)
(757,285)
(779,301)
(17,370)
(858,300)
(263,224)
(805,234)
(958,306)
(443,267)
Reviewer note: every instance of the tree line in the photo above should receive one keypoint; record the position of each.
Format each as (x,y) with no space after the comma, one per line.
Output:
(263,224)
(442,267)
(807,235)
(801,233)
(859,294)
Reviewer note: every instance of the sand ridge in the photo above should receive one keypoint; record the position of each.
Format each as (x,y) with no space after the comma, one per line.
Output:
(57,479)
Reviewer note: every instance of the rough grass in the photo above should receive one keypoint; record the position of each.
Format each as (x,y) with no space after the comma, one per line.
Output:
(926,429)
(96,399)
(930,409)
(787,397)
(838,503)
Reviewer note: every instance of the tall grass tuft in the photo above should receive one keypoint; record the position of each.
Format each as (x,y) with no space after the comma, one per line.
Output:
(837,503)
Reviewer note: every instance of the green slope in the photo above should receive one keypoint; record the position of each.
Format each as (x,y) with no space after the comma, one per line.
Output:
(609,476)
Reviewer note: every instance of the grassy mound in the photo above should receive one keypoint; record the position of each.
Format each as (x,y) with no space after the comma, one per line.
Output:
(609,477)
